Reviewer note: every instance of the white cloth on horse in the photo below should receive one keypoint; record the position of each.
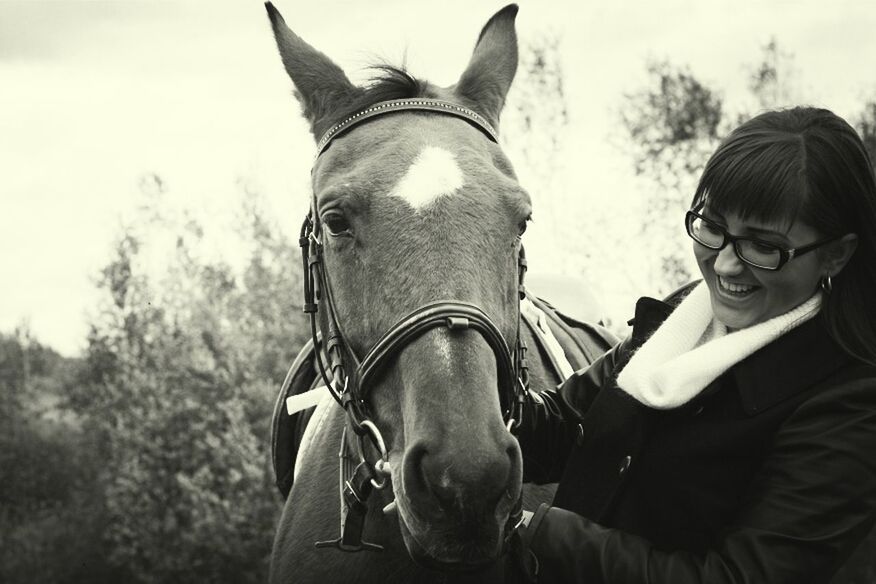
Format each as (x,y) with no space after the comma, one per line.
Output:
(308,399)
(691,349)
(314,426)
(538,322)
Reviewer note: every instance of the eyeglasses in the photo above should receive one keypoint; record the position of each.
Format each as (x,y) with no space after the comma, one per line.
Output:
(754,252)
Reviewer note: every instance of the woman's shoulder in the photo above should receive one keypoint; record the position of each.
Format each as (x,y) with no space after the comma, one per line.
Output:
(676,296)
(855,380)
(847,397)
(651,312)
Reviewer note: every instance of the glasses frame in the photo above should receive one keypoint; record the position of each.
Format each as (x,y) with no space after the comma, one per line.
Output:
(785,254)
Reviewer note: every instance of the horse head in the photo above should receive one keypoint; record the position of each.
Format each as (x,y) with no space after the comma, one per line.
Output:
(417,208)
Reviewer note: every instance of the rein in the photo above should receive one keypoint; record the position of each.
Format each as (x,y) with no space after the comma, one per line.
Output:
(349,379)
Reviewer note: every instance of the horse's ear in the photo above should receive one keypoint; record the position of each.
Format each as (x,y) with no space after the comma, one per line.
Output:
(491,69)
(320,85)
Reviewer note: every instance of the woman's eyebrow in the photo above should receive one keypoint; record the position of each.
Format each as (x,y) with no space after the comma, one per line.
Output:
(748,229)
(765,231)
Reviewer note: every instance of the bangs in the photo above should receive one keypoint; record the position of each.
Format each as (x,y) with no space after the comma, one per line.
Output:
(760,177)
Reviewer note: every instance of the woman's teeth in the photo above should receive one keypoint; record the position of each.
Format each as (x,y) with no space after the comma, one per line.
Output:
(735,289)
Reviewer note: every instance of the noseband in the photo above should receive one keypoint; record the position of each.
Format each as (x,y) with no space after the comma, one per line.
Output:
(349,379)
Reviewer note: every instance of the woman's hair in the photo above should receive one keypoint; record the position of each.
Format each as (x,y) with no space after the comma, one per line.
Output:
(807,164)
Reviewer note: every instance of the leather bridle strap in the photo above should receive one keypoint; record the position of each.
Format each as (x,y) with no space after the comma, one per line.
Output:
(453,315)
(350,385)
(411,104)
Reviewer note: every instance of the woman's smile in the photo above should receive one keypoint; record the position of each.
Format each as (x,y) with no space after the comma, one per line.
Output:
(734,290)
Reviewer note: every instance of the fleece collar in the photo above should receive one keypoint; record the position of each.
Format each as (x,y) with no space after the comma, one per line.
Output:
(779,370)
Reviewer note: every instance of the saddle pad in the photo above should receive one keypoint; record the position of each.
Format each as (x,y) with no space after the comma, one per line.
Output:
(591,340)
(288,430)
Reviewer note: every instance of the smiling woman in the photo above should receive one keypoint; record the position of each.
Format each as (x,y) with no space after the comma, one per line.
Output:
(798,181)
(728,439)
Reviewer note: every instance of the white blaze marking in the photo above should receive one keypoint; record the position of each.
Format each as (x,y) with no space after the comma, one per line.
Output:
(433,174)
(442,348)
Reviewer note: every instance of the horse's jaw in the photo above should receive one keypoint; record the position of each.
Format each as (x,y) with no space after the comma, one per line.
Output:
(457,557)
(451,543)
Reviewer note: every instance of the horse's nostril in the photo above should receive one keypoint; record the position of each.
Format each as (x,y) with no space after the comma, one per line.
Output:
(441,481)
(471,479)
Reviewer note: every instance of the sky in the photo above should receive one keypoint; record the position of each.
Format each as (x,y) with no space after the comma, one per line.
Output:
(95,96)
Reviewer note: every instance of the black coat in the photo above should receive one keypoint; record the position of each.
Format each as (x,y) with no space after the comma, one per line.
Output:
(768,475)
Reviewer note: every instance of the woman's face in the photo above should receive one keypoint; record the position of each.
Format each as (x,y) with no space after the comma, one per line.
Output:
(743,295)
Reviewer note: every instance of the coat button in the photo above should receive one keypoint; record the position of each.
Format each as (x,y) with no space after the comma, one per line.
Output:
(624,465)
(579,438)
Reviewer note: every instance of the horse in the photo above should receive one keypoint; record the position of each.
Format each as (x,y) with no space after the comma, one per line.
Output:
(414,282)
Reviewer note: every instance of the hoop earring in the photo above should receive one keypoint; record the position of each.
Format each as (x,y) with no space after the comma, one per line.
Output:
(826,284)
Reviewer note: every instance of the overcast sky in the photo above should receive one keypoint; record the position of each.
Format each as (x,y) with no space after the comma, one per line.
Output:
(94,95)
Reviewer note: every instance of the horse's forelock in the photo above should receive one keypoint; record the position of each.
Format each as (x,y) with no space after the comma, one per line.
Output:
(389,82)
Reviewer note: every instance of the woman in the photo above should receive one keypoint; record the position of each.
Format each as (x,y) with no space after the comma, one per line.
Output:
(731,438)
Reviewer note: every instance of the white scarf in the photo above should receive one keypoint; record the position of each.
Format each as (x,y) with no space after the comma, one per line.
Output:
(690,349)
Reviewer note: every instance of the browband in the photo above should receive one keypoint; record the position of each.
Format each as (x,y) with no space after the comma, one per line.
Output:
(396,105)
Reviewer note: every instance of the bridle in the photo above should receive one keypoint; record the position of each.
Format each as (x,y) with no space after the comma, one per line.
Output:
(348,378)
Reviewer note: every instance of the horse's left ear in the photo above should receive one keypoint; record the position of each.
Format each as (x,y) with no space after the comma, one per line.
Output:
(486,80)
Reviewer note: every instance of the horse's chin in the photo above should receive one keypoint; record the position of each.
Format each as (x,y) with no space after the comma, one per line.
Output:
(454,555)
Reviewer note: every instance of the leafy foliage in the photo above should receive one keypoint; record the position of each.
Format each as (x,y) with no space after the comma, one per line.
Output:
(537,113)
(673,124)
(50,522)
(181,370)
(772,81)
(866,125)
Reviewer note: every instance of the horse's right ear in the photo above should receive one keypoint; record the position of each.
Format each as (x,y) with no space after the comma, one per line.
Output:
(320,85)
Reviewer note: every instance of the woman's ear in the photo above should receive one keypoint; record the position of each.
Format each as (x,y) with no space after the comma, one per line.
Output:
(838,253)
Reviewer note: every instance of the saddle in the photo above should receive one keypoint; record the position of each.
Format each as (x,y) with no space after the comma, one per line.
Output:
(559,336)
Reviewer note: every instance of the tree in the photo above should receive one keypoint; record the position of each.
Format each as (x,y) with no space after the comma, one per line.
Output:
(50,523)
(534,127)
(673,124)
(773,81)
(866,125)
(183,365)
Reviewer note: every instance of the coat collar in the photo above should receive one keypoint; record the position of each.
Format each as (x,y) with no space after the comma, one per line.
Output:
(792,363)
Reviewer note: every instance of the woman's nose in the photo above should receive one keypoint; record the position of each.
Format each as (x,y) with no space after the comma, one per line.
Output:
(728,263)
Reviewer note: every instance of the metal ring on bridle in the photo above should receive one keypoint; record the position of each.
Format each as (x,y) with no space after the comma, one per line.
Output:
(377,439)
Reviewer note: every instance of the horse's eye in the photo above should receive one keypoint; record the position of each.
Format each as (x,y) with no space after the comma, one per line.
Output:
(521,227)
(336,223)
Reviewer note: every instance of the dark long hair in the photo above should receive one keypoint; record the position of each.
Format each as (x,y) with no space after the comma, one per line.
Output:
(807,164)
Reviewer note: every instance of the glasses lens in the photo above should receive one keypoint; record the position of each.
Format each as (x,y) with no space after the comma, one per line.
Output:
(759,254)
(705,232)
